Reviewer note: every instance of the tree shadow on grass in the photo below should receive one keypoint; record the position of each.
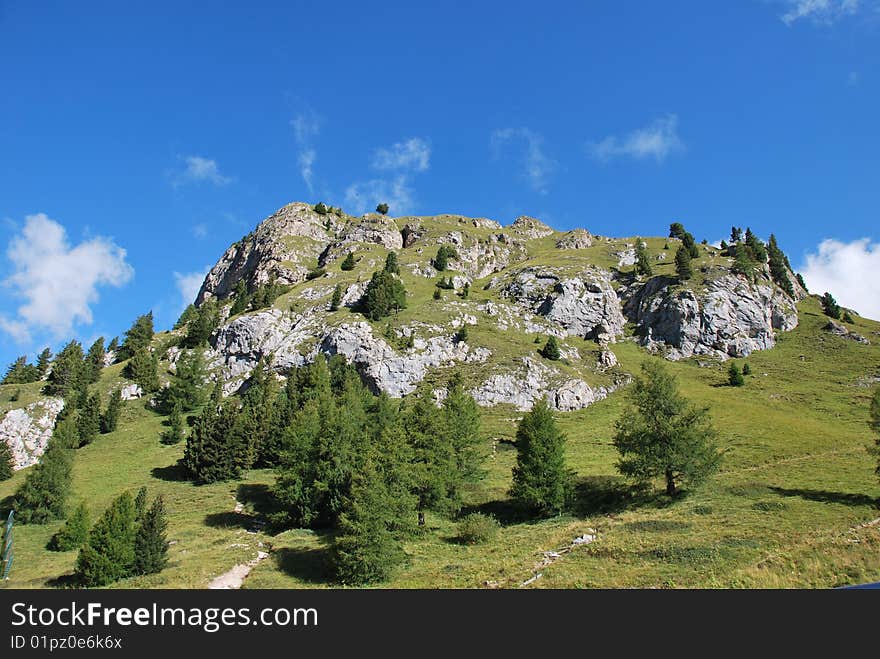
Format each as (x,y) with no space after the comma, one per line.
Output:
(610,495)
(173,473)
(506,511)
(64,581)
(824,496)
(310,565)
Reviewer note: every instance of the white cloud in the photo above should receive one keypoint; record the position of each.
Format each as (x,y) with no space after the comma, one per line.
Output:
(200,230)
(59,283)
(658,140)
(306,127)
(200,170)
(537,167)
(849,272)
(189,285)
(819,11)
(412,154)
(364,196)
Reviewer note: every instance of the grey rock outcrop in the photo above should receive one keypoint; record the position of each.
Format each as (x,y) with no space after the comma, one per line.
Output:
(842,331)
(585,306)
(27,431)
(530,228)
(575,239)
(729,317)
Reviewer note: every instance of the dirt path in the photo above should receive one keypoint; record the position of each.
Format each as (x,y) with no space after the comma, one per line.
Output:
(236,576)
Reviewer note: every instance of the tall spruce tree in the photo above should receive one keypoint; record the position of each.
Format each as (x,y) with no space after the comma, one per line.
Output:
(213,448)
(137,337)
(110,417)
(384,294)
(203,325)
(43,495)
(94,361)
(187,387)
(541,482)
(348,262)
(683,267)
(830,306)
(336,298)
(676,230)
(143,369)
(109,552)
(875,425)
(461,425)
(7,461)
(778,266)
(176,432)
(150,543)
(74,532)
(551,349)
(44,361)
(662,435)
(88,420)
(67,374)
(391,264)
(241,299)
(186,316)
(643,262)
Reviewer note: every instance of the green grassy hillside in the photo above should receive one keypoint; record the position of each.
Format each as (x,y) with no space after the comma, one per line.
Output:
(792,506)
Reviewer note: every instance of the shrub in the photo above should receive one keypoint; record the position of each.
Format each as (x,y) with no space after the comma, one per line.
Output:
(461,335)
(551,349)
(321,208)
(336,300)
(476,529)
(315,273)
(847,318)
(735,377)
(348,262)
(74,532)
(747,370)
(437,294)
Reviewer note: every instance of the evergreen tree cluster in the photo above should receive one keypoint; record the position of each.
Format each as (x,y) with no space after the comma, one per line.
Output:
(262,297)
(384,295)
(21,372)
(830,306)
(128,539)
(137,338)
(445,253)
(42,497)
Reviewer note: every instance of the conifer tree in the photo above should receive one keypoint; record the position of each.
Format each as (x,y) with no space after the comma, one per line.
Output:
(661,435)
(241,299)
(683,266)
(187,387)
(676,230)
(461,335)
(643,262)
(875,426)
(735,376)
(778,267)
(43,495)
(140,504)
(143,370)
(384,294)
(382,209)
(137,337)
(735,234)
(747,370)
(150,543)
(94,361)
(744,264)
(20,372)
(7,461)
(441,261)
(186,316)
(67,374)
(109,552)
(391,264)
(43,362)
(114,345)
(110,418)
(213,450)
(203,325)
(176,431)
(541,482)
(461,427)
(88,420)
(348,262)
(336,299)
(437,294)
(74,532)
(830,306)
(551,349)
(433,456)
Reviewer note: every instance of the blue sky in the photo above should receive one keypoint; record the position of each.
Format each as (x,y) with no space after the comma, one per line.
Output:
(138,140)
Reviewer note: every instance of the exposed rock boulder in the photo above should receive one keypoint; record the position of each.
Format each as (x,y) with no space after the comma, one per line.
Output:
(575,239)
(842,331)
(607,359)
(729,317)
(131,392)
(530,228)
(586,306)
(27,431)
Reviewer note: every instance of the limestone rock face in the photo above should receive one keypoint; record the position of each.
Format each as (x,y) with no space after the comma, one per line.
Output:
(575,239)
(386,370)
(286,245)
(585,306)
(27,431)
(131,392)
(730,317)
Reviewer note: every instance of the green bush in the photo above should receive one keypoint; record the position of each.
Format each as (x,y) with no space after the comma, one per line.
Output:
(476,529)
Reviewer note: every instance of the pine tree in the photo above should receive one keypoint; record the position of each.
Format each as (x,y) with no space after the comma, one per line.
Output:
(661,435)
(143,370)
(441,261)
(43,362)
(643,263)
(382,209)
(437,294)
(7,461)
(744,264)
(683,267)
(67,374)
(778,267)
(16,373)
(461,335)
(365,550)
(800,280)
(43,495)
(461,427)
(551,349)
(384,294)
(213,450)
(830,306)
(74,532)
(433,456)
(676,230)
(847,318)
(94,361)
(241,299)
(176,432)
(109,552)
(734,376)
(874,423)
(150,543)
(690,245)
(203,325)
(348,262)
(735,234)
(391,264)
(137,337)
(88,420)
(114,345)
(747,370)
(466,291)
(541,482)
(188,315)
(759,252)
(110,418)
(187,387)
(140,505)
(336,300)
